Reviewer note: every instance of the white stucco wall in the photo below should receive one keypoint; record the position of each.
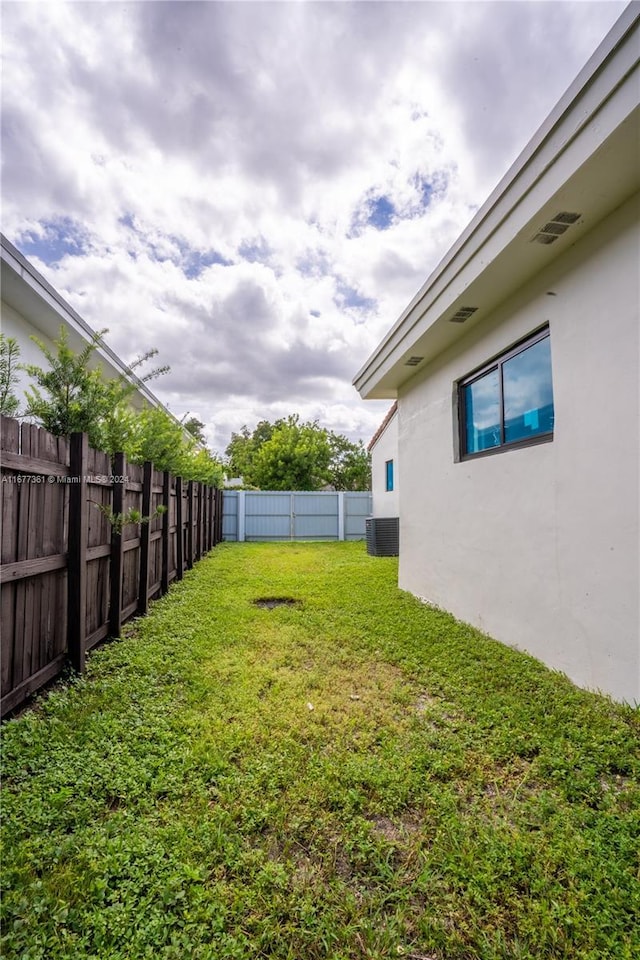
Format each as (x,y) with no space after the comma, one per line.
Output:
(385,502)
(15,325)
(539,547)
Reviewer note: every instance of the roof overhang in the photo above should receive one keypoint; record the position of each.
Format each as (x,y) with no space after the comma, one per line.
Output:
(585,159)
(33,297)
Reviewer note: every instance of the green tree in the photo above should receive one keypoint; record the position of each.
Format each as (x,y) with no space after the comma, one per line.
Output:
(73,395)
(117,430)
(161,439)
(295,457)
(203,466)
(68,397)
(158,437)
(350,465)
(292,455)
(243,449)
(9,354)
(195,427)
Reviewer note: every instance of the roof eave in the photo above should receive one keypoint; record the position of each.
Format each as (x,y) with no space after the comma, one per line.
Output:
(16,262)
(608,69)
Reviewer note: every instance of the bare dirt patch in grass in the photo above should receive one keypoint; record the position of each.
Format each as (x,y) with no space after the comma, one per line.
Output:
(397,830)
(269,603)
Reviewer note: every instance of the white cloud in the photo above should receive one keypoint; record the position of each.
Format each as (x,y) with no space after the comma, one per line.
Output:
(219,166)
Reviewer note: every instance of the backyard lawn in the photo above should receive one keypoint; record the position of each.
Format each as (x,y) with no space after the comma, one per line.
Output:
(353,775)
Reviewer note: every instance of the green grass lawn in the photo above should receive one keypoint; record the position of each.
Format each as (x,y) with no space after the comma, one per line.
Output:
(354,776)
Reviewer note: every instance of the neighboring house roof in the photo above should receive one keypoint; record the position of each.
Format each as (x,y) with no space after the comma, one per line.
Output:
(383,426)
(33,297)
(583,160)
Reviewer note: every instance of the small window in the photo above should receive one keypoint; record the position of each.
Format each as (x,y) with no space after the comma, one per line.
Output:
(509,402)
(389,474)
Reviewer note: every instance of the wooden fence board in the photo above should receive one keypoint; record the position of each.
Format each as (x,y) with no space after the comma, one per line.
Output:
(59,551)
(9,526)
(21,569)
(131,582)
(10,438)
(38,640)
(131,545)
(7,611)
(179,529)
(19,693)
(20,652)
(145,542)
(190,521)
(117,552)
(46,625)
(27,464)
(164,520)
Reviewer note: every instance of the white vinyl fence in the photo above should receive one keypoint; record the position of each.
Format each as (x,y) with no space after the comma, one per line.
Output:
(276,515)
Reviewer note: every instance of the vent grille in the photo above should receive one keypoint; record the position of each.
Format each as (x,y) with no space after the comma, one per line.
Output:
(462,315)
(413,361)
(555,227)
(567,217)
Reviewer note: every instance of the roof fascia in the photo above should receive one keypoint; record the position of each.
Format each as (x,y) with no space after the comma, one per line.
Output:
(42,288)
(548,143)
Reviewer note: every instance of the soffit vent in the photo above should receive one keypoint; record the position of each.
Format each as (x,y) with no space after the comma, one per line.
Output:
(555,227)
(567,217)
(413,361)
(462,315)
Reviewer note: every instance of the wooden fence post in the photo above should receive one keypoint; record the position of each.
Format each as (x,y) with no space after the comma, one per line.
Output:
(145,540)
(77,555)
(203,520)
(117,553)
(190,527)
(166,501)
(210,536)
(207,519)
(198,521)
(179,531)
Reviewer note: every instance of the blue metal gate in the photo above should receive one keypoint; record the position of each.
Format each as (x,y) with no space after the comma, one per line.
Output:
(295,515)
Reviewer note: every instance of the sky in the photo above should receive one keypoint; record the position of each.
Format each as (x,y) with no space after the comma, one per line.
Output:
(258,190)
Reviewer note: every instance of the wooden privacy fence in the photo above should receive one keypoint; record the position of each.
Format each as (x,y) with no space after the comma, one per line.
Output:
(70,577)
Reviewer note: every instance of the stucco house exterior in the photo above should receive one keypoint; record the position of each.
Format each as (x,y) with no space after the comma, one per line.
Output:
(516,372)
(385,478)
(30,306)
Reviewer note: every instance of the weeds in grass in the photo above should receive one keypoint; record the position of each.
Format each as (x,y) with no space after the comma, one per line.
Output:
(351,776)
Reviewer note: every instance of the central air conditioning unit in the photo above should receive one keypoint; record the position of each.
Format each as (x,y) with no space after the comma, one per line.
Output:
(383,536)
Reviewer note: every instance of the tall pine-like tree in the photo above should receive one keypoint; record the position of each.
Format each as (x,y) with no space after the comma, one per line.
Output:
(9,356)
